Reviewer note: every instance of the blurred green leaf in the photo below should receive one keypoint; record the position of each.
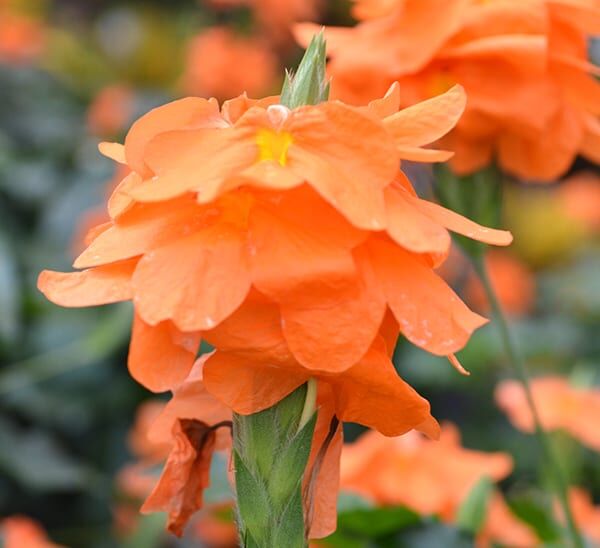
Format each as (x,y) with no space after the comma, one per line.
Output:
(473,510)
(535,510)
(149,533)
(36,461)
(376,522)
(9,292)
(431,535)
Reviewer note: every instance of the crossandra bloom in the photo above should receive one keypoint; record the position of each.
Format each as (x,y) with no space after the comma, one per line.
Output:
(560,407)
(513,283)
(276,17)
(23,532)
(22,38)
(533,98)
(431,478)
(291,241)
(221,64)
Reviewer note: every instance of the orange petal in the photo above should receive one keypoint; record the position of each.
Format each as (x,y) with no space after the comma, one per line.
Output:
(186,474)
(114,151)
(120,200)
(426,155)
(191,400)
(583,15)
(457,365)
(199,292)
(235,108)
(388,104)
(430,314)
(143,227)
(547,158)
(185,113)
(347,157)
(461,225)
(246,387)
(161,356)
(330,331)
(372,394)
(527,52)
(429,120)
(253,332)
(102,285)
(287,260)
(590,147)
(324,486)
(199,160)
(410,228)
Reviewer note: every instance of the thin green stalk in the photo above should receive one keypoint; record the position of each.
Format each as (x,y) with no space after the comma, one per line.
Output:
(520,368)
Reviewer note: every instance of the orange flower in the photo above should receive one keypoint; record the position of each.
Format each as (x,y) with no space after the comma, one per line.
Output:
(580,199)
(586,514)
(216,528)
(222,64)
(22,38)
(290,241)
(23,532)
(276,17)
(432,478)
(502,527)
(110,111)
(136,480)
(536,49)
(513,283)
(560,406)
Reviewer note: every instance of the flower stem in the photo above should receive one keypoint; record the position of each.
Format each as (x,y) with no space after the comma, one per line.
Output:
(270,454)
(518,363)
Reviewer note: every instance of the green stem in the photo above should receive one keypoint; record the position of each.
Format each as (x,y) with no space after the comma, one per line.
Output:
(270,454)
(520,368)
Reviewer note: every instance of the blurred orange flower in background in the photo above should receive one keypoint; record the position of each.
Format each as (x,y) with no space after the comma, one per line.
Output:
(431,478)
(586,514)
(221,64)
(560,406)
(513,282)
(537,49)
(276,17)
(23,532)
(22,38)
(580,199)
(110,111)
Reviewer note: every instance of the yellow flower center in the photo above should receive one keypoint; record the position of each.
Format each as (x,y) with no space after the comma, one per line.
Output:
(273,145)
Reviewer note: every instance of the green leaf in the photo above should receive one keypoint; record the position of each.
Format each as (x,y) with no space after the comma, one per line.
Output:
(432,535)
(290,463)
(473,510)
(253,501)
(9,292)
(536,511)
(377,522)
(149,533)
(36,461)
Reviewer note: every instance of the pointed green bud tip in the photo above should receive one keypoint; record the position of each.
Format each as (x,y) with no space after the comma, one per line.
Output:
(309,85)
